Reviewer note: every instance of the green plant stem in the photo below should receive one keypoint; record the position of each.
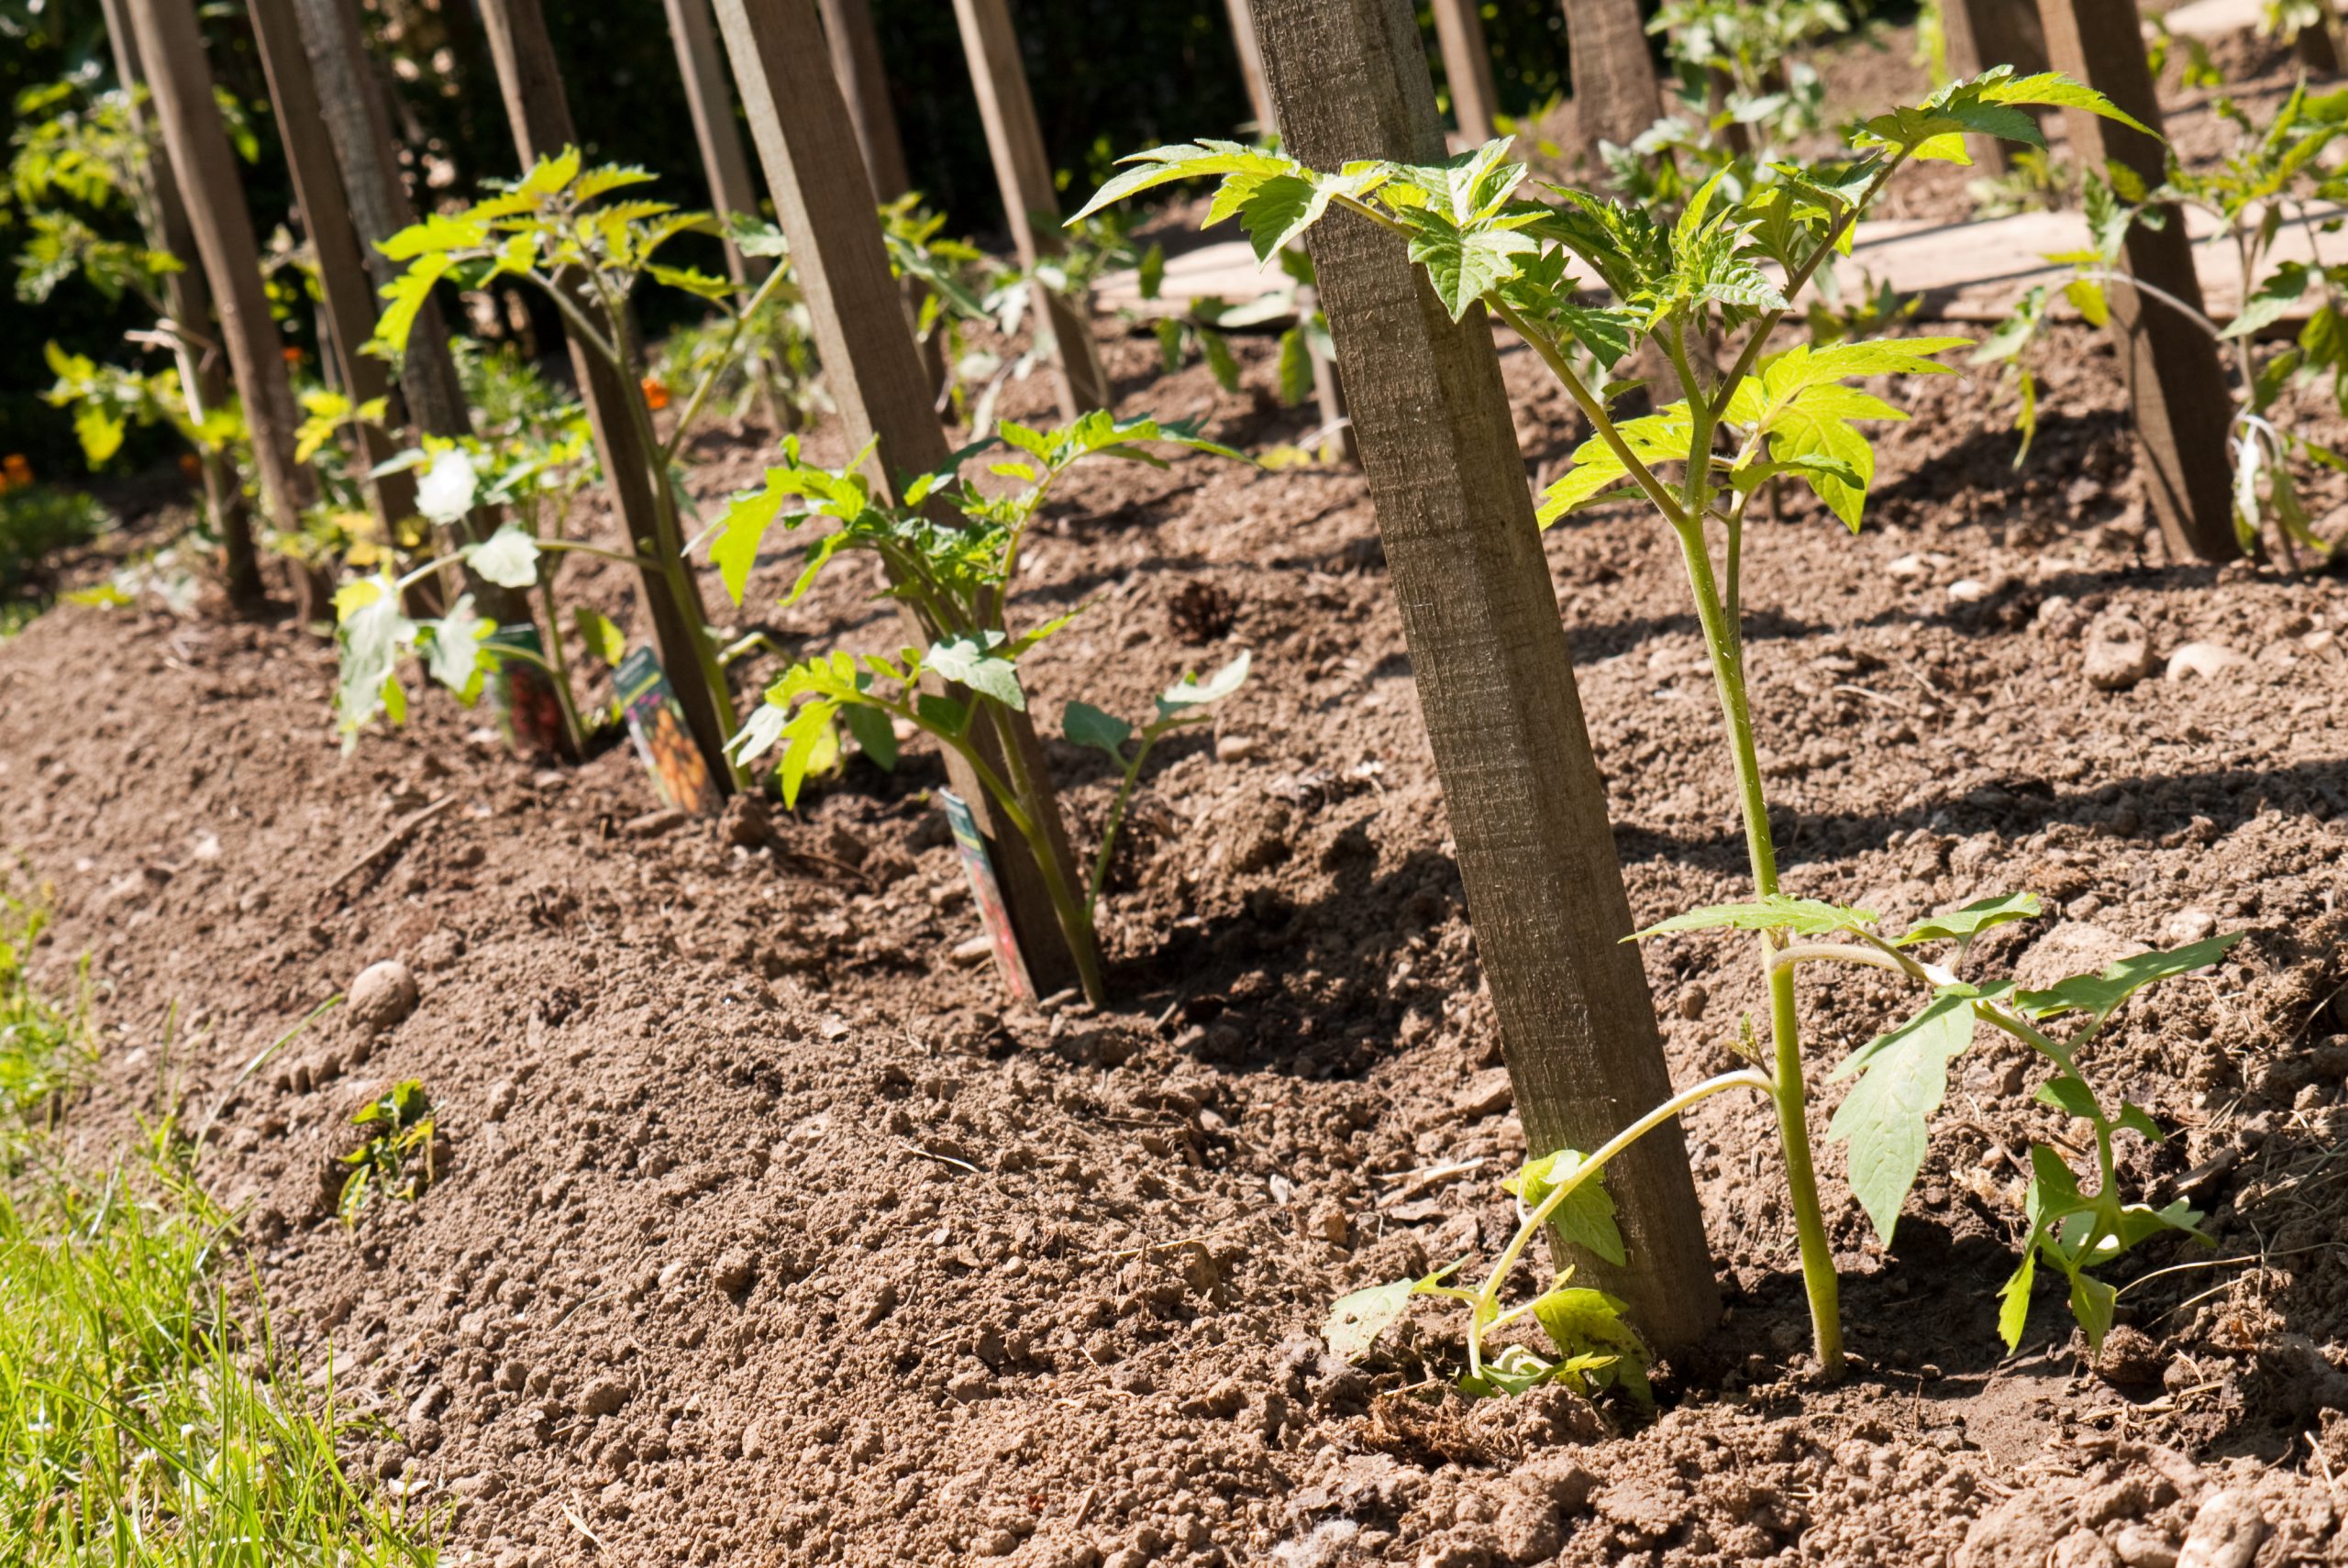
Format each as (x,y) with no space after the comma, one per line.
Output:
(1487,1298)
(559,663)
(691,410)
(1789,1092)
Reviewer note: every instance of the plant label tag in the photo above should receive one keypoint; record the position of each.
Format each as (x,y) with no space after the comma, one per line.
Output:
(523,697)
(987,893)
(655,721)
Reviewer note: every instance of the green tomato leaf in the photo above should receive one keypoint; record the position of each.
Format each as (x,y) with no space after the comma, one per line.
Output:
(2091,1303)
(370,637)
(453,654)
(1883,1119)
(1356,1320)
(1464,264)
(1085,725)
(2013,1300)
(2099,996)
(1586,1216)
(1965,924)
(1778,911)
(2071,1096)
(875,733)
(508,557)
(983,670)
(1188,694)
(602,637)
(1582,1322)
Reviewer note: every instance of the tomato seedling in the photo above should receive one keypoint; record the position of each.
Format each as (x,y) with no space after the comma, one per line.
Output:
(1729,271)
(954,574)
(397,1155)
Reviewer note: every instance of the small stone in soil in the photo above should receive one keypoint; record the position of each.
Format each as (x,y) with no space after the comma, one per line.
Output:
(383,995)
(2226,1533)
(652,824)
(2204,659)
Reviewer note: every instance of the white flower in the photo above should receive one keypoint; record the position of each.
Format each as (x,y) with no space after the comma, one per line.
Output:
(445,493)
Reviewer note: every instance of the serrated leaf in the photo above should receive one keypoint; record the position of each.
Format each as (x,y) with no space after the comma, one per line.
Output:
(2098,994)
(1965,924)
(1084,724)
(2092,1302)
(1778,912)
(602,637)
(406,293)
(1356,1320)
(453,649)
(1904,1077)
(1190,693)
(508,557)
(964,662)
(1582,1322)
(1585,1216)
(875,732)
(1464,265)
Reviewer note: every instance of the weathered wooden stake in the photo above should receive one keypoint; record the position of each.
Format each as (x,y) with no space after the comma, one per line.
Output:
(1251,62)
(1616,96)
(1024,171)
(863,77)
(2178,389)
(1978,34)
(702,65)
(1496,684)
(181,82)
(1467,68)
(823,199)
(349,292)
(187,306)
(540,116)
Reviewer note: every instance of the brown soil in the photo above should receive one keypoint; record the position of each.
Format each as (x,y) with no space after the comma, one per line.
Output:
(764,1234)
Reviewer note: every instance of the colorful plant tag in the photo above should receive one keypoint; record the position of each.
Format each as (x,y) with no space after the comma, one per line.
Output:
(523,694)
(657,722)
(987,893)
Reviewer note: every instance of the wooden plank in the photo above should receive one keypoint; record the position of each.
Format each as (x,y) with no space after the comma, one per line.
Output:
(187,306)
(823,199)
(343,281)
(1496,687)
(1251,62)
(1030,202)
(2179,392)
(181,84)
(702,66)
(863,77)
(1467,68)
(1615,93)
(540,116)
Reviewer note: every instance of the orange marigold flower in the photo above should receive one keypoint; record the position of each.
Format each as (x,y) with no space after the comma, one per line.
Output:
(655,392)
(293,355)
(14,469)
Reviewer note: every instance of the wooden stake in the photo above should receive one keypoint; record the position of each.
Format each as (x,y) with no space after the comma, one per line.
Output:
(801,128)
(702,66)
(181,84)
(540,116)
(1251,62)
(349,293)
(2177,390)
(350,105)
(187,306)
(1467,68)
(1616,96)
(863,77)
(1978,34)
(1024,171)
(1496,685)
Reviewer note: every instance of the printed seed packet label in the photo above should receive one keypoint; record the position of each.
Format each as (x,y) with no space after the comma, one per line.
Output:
(528,713)
(655,721)
(987,893)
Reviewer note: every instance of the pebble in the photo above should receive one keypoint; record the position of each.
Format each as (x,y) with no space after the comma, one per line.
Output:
(602,1396)
(2189,925)
(383,995)
(733,1273)
(1968,590)
(972,950)
(652,824)
(1486,1093)
(2119,655)
(2140,1546)
(2204,659)
(2226,1533)
(1235,748)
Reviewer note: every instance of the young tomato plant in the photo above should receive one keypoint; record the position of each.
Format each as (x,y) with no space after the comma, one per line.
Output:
(1730,270)
(555,230)
(955,576)
(397,1157)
